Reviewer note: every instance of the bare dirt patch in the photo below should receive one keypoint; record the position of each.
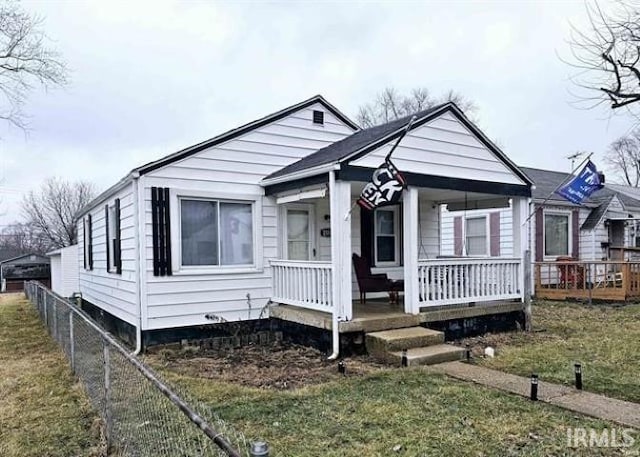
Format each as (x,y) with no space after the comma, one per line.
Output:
(280,366)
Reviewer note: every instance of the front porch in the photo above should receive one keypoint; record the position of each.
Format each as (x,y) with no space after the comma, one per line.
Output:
(315,284)
(377,315)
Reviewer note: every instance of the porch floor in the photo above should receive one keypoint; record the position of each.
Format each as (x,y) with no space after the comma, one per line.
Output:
(377,315)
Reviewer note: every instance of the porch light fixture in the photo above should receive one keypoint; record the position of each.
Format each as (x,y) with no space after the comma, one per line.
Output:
(578,371)
(534,387)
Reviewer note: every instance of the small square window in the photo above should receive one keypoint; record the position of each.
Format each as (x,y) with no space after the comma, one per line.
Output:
(318,117)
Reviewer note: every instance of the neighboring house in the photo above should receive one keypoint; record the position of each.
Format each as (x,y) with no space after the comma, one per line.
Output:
(266,213)
(15,271)
(591,231)
(64,270)
(603,229)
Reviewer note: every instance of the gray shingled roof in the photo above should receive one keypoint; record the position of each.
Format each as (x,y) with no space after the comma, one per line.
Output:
(345,147)
(547,181)
(596,215)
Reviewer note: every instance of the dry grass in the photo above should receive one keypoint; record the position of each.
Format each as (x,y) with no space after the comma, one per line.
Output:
(604,339)
(43,411)
(373,411)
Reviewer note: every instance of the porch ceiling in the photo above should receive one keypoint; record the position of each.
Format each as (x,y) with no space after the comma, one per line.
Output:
(446,196)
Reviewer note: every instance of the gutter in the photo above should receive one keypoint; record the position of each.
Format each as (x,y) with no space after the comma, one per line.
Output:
(137,221)
(307,172)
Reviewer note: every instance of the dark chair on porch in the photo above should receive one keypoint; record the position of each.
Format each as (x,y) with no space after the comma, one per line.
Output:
(369,282)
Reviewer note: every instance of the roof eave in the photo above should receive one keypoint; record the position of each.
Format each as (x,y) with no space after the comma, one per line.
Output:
(313,171)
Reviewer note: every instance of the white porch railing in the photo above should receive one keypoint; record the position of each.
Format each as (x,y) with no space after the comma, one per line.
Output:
(303,283)
(452,281)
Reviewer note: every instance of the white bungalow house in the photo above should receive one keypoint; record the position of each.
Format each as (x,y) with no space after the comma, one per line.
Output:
(264,214)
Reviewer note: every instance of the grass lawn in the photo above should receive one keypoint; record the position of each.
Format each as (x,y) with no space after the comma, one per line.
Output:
(372,411)
(604,339)
(43,412)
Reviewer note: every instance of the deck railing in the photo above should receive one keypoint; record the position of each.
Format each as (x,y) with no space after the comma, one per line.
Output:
(303,283)
(452,281)
(598,280)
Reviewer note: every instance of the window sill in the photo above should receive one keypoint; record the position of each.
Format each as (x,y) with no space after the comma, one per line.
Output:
(217,271)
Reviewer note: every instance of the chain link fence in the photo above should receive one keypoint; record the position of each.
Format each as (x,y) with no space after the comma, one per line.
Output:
(143,416)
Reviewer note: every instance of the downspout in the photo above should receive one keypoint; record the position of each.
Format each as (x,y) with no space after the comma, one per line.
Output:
(335,260)
(139,267)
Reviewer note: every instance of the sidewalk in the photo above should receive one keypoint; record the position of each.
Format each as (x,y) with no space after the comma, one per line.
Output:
(622,412)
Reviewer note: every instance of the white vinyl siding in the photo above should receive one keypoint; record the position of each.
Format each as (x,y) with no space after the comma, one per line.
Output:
(116,294)
(65,271)
(235,167)
(444,147)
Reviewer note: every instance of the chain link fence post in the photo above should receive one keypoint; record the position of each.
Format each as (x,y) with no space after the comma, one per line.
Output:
(72,345)
(44,305)
(107,392)
(54,310)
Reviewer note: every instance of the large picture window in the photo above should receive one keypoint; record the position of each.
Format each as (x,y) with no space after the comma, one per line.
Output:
(476,236)
(215,232)
(386,236)
(556,234)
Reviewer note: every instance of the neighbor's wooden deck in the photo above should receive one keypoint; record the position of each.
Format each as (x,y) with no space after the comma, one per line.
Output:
(587,280)
(375,315)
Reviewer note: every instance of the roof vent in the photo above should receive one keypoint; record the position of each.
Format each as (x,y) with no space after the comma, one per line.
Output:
(318,117)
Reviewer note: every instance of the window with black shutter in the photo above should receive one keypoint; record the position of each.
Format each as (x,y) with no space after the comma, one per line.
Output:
(161,231)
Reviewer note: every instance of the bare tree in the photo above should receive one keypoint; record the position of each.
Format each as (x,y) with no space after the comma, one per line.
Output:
(607,54)
(19,238)
(390,104)
(623,158)
(25,61)
(52,210)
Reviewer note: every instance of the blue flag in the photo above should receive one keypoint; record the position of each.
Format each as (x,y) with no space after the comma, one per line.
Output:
(582,185)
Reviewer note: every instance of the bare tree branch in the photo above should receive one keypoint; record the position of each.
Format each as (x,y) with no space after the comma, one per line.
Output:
(607,55)
(623,158)
(52,210)
(26,60)
(390,104)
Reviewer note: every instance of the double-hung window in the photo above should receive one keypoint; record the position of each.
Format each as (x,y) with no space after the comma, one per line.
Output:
(556,234)
(476,236)
(386,236)
(216,232)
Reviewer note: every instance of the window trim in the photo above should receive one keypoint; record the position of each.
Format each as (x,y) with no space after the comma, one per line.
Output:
(556,212)
(111,250)
(87,242)
(396,234)
(487,235)
(176,195)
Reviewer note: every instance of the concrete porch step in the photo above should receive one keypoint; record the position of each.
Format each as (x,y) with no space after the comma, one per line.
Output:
(380,343)
(429,355)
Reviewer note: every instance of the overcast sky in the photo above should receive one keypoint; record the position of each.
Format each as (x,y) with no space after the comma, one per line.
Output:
(151,78)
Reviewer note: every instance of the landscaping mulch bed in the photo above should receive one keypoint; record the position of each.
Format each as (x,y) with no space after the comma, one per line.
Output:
(280,366)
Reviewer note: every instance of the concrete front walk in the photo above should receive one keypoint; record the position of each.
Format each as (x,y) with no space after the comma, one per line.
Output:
(621,412)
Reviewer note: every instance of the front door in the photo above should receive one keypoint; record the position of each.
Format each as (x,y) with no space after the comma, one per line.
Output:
(299,232)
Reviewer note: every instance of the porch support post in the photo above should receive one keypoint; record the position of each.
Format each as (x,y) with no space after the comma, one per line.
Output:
(410,251)
(520,215)
(340,202)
